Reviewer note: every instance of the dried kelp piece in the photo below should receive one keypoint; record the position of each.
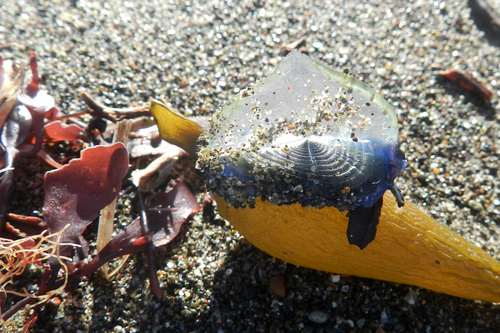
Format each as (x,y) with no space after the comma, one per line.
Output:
(99,110)
(156,172)
(106,219)
(165,218)
(76,193)
(300,45)
(468,82)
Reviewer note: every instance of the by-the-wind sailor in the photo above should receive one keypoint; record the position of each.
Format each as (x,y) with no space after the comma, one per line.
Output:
(308,135)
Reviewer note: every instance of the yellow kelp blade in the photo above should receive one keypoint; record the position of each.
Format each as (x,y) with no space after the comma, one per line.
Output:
(410,247)
(175,128)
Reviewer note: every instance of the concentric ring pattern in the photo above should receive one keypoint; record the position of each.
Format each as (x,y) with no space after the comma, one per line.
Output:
(340,163)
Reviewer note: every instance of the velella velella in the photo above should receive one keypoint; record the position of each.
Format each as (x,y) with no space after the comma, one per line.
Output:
(410,247)
(309,135)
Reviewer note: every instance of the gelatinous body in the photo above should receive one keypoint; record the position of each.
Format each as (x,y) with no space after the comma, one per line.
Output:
(307,135)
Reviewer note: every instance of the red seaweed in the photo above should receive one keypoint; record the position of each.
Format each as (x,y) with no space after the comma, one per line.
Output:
(76,193)
(165,218)
(57,131)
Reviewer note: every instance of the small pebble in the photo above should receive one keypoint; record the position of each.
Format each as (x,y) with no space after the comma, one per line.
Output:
(318,317)
(475,205)
(412,297)
(383,318)
(277,285)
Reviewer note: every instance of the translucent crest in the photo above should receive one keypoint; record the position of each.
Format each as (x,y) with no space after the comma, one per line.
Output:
(301,98)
